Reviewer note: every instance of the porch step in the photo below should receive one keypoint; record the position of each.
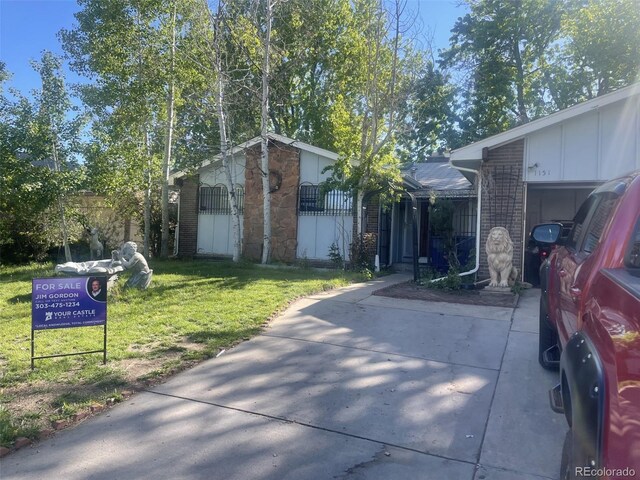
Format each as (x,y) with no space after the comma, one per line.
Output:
(402,267)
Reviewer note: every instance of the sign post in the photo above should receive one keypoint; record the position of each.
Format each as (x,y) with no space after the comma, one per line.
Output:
(68,303)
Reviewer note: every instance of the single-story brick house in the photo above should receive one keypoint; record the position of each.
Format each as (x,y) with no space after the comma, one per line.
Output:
(305,220)
(543,170)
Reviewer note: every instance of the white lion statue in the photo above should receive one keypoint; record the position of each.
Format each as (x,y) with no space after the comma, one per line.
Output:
(500,258)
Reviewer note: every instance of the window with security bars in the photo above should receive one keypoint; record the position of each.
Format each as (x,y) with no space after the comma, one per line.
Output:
(312,200)
(240,198)
(215,200)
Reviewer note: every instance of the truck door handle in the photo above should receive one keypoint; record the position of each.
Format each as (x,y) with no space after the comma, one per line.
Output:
(575,293)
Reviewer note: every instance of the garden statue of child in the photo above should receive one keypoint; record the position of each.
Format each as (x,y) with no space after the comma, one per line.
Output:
(131,260)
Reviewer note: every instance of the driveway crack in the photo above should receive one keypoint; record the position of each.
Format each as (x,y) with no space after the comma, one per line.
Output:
(372,350)
(309,425)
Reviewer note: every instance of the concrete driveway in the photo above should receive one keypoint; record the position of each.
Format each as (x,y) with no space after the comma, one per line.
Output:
(343,385)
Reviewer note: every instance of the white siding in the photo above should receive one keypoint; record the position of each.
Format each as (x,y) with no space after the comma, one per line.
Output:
(211,175)
(317,233)
(581,148)
(215,234)
(543,149)
(215,231)
(619,140)
(311,166)
(594,146)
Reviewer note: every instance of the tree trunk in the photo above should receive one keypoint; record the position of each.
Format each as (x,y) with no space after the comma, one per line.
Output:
(145,152)
(264,157)
(224,143)
(147,197)
(65,234)
(168,144)
(523,117)
(63,220)
(357,218)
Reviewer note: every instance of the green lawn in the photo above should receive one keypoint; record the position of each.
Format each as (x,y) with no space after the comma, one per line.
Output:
(191,311)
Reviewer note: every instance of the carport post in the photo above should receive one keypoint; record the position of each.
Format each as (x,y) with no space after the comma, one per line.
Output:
(414,219)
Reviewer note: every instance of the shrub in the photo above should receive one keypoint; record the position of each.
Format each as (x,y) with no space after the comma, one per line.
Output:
(336,256)
(451,282)
(363,252)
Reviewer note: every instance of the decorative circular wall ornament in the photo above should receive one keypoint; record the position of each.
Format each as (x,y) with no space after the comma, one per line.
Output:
(275,181)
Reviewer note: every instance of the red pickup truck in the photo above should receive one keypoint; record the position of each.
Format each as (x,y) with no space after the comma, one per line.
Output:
(590,331)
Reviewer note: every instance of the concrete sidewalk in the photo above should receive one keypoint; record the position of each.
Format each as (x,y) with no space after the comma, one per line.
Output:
(342,385)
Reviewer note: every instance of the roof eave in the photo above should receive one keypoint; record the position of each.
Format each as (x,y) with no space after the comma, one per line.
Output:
(473,152)
(254,141)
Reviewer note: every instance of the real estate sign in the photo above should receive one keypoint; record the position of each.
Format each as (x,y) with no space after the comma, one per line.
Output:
(68,302)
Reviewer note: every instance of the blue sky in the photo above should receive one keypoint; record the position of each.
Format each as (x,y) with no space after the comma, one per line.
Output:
(27,27)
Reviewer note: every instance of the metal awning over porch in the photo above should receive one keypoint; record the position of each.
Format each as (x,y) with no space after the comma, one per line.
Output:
(437,178)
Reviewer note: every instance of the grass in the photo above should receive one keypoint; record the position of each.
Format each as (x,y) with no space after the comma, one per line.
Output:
(191,311)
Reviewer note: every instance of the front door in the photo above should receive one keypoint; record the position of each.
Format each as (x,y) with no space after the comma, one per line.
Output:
(385,237)
(404,251)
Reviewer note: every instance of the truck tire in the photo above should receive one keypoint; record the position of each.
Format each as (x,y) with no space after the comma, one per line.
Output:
(547,338)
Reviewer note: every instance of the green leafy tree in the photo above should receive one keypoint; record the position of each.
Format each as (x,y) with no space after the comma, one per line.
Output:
(214,32)
(365,114)
(137,56)
(503,48)
(312,39)
(601,51)
(112,46)
(38,171)
(55,137)
(431,116)
(27,190)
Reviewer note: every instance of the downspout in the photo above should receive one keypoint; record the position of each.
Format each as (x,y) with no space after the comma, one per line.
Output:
(478,217)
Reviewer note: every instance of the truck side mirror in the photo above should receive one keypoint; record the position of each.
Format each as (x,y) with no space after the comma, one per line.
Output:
(547,232)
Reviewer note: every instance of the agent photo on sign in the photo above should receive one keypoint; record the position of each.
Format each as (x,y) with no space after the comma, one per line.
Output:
(97,288)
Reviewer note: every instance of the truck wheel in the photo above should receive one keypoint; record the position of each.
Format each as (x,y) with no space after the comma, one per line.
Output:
(567,468)
(547,338)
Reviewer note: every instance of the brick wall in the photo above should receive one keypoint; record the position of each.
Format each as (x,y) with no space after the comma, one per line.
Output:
(188,228)
(284,167)
(503,200)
